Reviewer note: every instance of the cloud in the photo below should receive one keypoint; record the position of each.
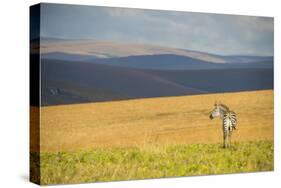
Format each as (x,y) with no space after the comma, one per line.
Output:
(213,33)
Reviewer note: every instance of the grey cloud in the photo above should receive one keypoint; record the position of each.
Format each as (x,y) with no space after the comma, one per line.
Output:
(213,33)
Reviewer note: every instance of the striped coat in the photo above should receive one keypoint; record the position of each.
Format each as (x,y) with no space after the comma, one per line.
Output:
(229,121)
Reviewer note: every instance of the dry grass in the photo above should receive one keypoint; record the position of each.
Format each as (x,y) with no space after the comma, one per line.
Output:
(169,120)
(150,138)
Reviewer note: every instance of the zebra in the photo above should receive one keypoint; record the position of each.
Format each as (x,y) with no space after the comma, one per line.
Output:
(229,121)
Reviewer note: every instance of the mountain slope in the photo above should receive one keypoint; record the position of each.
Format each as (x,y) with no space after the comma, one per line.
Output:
(67,82)
(76,82)
(176,62)
(113,49)
(159,62)
(107,49)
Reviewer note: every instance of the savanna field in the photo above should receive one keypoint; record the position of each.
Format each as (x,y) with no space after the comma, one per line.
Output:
(153,138)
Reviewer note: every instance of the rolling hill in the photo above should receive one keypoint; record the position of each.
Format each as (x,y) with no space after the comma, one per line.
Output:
(75,82)
(176,62)
(161,61)
(93,49)
(66,82)
(81,71)
(108,49)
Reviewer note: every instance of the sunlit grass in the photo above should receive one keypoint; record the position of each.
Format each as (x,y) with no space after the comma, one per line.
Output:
(152,138)
(154,161)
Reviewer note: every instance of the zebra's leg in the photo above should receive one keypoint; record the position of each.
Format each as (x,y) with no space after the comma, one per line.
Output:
(224,139)
(230,132)
(227,139)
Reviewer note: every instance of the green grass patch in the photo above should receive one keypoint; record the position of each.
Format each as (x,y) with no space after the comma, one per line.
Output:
(154,161)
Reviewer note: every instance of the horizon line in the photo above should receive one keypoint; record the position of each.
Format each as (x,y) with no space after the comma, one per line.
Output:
(192,50)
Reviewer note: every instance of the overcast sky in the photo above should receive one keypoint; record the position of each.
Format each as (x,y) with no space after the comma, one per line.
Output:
(213,33)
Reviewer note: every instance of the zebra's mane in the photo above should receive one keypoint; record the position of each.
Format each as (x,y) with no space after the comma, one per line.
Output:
(224,107)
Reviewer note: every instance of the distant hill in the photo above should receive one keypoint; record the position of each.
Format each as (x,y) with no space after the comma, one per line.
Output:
(225,80)
(108,49)
(160,61)
(177,62)
(143,56)
(75,82)
(67,82)
(68,57)
(79,71)
(247,59)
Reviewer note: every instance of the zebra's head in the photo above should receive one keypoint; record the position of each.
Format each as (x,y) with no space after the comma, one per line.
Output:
(218,111)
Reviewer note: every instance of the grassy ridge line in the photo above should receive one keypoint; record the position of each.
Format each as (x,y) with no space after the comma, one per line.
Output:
(154,161)
(170,120)
(163,98)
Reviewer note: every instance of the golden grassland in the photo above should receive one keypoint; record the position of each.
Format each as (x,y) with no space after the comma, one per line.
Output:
(151,138)
(167,120)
